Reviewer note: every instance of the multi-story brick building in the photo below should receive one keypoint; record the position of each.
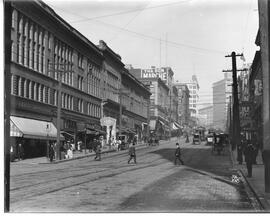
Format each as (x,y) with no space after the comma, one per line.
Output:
(43,45)
(194,88)
(206,116)
(221,94)
(47,50)
(167,108)
(183,101)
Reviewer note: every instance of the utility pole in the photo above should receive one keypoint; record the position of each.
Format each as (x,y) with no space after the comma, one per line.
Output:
(7,93)
(59,69)
(236,118)
(230,114)
(170,134)
(148,119)
(120,111)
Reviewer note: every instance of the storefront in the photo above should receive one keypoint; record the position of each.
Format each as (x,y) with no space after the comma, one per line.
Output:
(34,135)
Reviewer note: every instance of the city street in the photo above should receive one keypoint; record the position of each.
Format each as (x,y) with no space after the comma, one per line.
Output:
(154,184)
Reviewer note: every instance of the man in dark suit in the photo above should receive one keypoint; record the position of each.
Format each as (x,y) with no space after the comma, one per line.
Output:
(178,154)
(132,153)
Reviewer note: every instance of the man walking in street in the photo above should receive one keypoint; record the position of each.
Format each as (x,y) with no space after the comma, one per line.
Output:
(132,153)
(51,152)
(249,157)
(98,150)
(20,152)
(178,154)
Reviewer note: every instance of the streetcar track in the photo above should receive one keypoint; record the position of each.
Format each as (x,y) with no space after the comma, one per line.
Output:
(84,182)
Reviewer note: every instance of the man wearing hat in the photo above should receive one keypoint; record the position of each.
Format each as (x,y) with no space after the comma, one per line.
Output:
(178,154)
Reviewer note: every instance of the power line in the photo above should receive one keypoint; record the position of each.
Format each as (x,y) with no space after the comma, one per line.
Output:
(176,44)
(126,12)
(136,15)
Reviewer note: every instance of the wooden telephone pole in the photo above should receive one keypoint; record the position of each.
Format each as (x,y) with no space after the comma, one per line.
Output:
(236,117)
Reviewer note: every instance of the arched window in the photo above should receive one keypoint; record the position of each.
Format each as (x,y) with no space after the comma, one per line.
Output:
(26,88)
(21,24)
(31,90)
(40,93)
(13,21)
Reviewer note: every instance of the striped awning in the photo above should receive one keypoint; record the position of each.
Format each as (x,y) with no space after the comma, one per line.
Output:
(34,129)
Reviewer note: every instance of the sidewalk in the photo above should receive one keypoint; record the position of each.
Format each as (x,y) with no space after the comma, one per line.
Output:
(83,154)
(256,182)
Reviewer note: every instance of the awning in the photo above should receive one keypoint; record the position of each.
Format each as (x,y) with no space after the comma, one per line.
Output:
(152,124)
(174,126)
(34,129)
(161,122)
(177,125)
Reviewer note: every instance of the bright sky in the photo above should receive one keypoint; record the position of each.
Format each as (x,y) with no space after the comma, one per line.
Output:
(190,36)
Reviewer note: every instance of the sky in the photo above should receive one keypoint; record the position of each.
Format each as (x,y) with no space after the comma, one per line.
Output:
(190,36)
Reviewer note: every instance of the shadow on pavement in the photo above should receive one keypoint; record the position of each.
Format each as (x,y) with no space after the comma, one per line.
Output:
(201,158)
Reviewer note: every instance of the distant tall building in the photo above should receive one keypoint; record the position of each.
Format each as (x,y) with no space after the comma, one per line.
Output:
(194,88)
(206,116)
(221,93)
(164,98)
(183,108)
(164,73)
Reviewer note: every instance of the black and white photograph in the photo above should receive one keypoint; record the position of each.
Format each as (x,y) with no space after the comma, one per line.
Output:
(136,107)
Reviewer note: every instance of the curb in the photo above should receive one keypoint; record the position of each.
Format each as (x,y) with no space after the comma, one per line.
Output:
(140,146)
(258,199)
(261,200)
(89,155)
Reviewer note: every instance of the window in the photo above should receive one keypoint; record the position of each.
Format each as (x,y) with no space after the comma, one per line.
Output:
(14,84)
(80,82)
(55,98)
(21,87)
(13,52)
(80,60)
(13,24)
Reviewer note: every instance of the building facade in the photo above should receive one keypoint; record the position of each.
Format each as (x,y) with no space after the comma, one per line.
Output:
(135,98)
(183,101)
(46,49)
(221,98)
(206,116)
(255,84)
(194,88)
(51,59)
(165,104)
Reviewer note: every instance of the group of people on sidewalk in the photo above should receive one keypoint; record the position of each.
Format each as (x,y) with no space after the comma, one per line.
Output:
(250,151)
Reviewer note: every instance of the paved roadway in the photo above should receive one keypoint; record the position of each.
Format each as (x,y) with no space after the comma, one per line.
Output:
(154,184)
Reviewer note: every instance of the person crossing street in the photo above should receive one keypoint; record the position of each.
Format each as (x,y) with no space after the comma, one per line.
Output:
(178,154)
(132,153)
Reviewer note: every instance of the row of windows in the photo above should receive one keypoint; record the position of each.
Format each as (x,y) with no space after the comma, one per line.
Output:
(63,61)
(29,89)
(23,87)
(67,101)
(93,110)
(30,47)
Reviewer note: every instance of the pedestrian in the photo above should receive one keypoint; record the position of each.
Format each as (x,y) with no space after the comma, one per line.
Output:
(132,153)
(51,153)
(178,154)
(256,151)
(240,148)
(249,157)
(187,138)
(20,152)
(98,151)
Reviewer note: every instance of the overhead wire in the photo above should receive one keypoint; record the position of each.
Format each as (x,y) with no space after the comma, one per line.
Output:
(127,12)
(171,43)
